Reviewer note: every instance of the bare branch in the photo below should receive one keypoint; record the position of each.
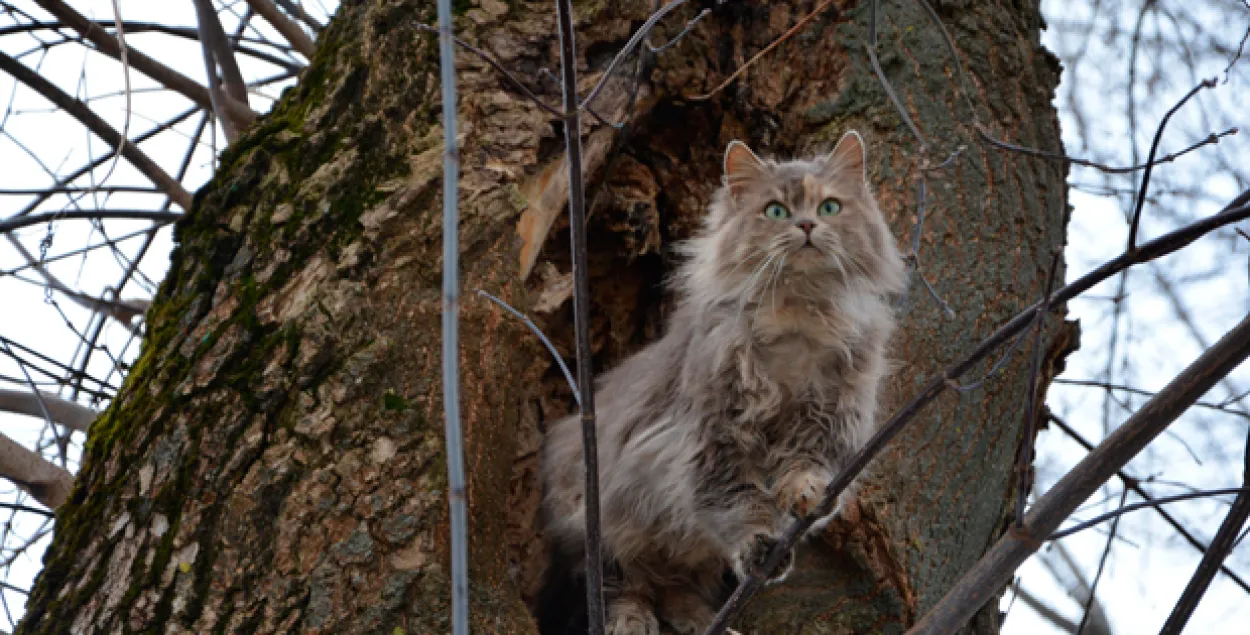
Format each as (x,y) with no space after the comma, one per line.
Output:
(1152,503)
(995,569)
(97,125)
(1078,586)
(48,360)
(871,49)
(1220,407)
(1210,139)
(121,312)
(629,47)
(767,49)
(1091,602)
(551,348)
(189,33)
(512,79)
(299,12)
(1212,561)
(19,222)
(218,55)
(1043,609)
(46,482)
(29,510)
(108,45)
(1024,461)
(1134,484)
(70,414)
(284,25)
(1154,147)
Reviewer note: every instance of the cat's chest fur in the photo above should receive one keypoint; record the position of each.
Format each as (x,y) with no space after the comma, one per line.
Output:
(802,346)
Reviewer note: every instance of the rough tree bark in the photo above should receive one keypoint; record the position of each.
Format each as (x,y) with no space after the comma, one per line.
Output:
(274,463)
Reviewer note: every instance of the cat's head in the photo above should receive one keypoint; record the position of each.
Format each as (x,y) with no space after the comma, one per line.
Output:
(813,222)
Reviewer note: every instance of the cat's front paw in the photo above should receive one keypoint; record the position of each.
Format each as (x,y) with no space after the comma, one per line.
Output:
(752,557)
(629,617)
(800,492)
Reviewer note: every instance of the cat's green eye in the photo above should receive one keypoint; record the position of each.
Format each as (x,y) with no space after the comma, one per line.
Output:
(830,207)
(776,211)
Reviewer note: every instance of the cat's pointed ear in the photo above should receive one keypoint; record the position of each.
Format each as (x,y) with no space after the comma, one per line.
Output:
(741,165)
(850,155)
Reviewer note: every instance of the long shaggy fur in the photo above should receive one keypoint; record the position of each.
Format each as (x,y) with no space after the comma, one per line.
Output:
(764,384)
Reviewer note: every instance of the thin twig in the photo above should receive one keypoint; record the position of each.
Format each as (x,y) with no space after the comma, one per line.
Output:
(564,368)
(1237,56)
(1024,461)
(1154,147)
(677,38)
(30,510)
(93,164)
(1148,504)
(871,48)
(767,49)
(486,57)
(1092,600)
(1046,611)
(109,45)
(959,67)
(913,259)
(48,360)
(1219,407)
(1210,139)
(1221,546)
(132,28)
(110,243)
(998,366)
(97,125)
(10,224)
(124,58)
(626,50)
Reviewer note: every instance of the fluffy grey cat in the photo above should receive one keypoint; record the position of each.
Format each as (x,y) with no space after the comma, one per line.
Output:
(765,383)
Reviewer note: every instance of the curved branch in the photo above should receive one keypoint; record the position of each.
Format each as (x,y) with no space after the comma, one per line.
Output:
(46,482)
(284,25)
(166,29)
(80,111)
(70,414)
(108,45)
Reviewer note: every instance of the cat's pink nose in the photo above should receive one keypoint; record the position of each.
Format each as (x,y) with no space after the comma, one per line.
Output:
(806,225)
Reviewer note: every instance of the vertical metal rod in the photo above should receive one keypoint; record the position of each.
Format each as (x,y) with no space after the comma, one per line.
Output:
(451,336)
(581,314)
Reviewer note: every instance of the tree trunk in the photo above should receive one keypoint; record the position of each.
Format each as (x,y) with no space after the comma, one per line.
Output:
(274,462)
